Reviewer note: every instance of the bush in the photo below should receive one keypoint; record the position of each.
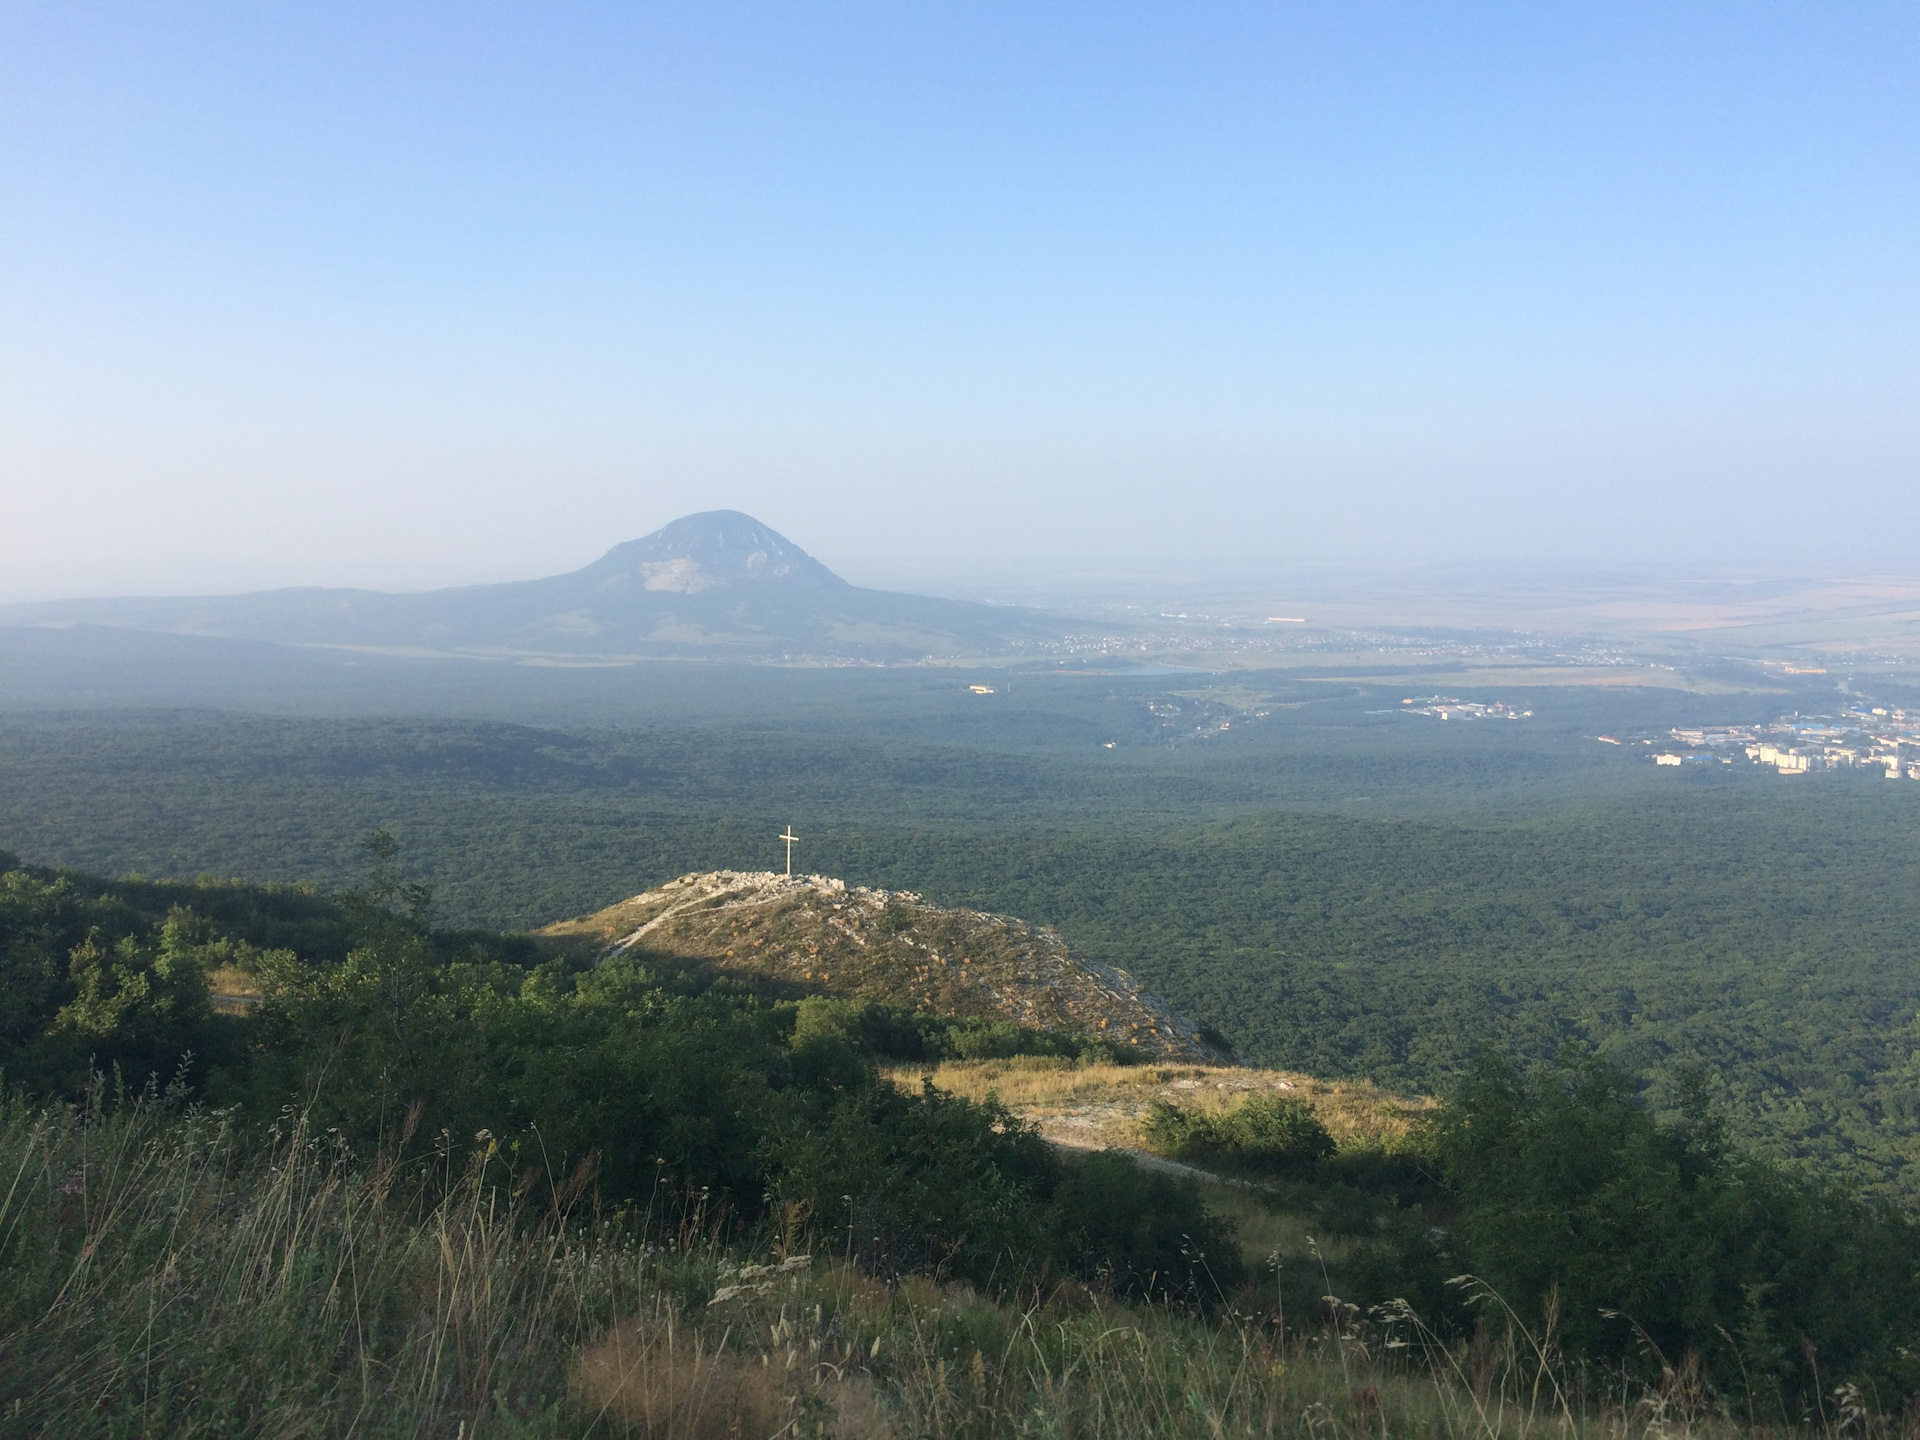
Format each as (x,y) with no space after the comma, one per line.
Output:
(891,1032)
(1004,1040)
(1269,1134)
(1143,1233)
(926,1182)
(936,1184)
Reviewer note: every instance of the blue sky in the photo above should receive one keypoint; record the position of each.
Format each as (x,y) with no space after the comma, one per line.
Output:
(426,294)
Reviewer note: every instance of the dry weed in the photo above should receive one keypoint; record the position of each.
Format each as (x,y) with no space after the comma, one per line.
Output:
(661,1379)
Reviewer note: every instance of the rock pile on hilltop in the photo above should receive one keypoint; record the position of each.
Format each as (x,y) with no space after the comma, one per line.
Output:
(815,934)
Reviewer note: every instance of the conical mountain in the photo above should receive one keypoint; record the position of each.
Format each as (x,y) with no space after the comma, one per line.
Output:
(719,584)
(714,550)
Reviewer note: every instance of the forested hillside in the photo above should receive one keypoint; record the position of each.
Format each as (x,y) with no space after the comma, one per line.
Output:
(1339,892)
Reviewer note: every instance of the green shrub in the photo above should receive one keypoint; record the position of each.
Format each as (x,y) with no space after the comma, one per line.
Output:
(892,1032)
(1143,1233)
(932,1183)
(926,1182)
(1269,1134)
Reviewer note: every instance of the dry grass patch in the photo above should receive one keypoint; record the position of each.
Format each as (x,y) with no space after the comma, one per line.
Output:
(1090,1106)
(232,991)
(661,1379)
(232,980)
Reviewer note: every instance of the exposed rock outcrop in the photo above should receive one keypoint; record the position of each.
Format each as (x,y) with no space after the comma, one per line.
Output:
(813,933)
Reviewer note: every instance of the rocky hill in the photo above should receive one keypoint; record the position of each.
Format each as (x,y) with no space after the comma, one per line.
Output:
(812,934)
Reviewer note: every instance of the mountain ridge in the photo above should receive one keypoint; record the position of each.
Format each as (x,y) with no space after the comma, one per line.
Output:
(718,584)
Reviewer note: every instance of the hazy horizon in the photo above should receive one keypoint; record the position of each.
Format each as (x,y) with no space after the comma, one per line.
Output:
(341,296)
(1014,577)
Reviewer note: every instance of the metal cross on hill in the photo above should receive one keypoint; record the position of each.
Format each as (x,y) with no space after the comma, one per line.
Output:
(792,840)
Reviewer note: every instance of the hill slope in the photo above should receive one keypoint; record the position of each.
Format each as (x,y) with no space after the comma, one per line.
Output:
(718,585)
(814,934)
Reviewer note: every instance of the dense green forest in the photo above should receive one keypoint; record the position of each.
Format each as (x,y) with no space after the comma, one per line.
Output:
(1341,891)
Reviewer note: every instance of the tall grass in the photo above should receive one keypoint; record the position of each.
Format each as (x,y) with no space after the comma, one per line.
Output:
(158,1277)
(158,1283)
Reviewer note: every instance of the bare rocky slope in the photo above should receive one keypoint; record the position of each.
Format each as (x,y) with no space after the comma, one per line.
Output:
(813,934)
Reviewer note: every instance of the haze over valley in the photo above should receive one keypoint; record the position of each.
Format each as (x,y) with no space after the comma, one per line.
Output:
(962,723)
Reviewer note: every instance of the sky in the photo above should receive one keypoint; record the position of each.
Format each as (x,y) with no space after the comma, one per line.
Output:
(435,294)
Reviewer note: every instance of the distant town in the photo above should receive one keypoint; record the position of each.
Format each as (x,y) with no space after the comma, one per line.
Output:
(1867,738)
(1447,708)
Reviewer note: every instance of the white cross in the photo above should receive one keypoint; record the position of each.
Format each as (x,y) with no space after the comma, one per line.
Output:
(791,839)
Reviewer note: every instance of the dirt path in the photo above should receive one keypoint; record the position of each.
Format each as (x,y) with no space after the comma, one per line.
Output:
(1147,1160)
(1088,1137)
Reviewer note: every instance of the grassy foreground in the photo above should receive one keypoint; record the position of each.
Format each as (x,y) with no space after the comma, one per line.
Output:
(160,1277)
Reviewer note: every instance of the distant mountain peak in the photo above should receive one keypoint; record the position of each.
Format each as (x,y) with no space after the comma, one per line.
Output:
(719,585)
(714,550)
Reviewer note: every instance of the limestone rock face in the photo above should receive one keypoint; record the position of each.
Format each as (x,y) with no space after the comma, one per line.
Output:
(816,934)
